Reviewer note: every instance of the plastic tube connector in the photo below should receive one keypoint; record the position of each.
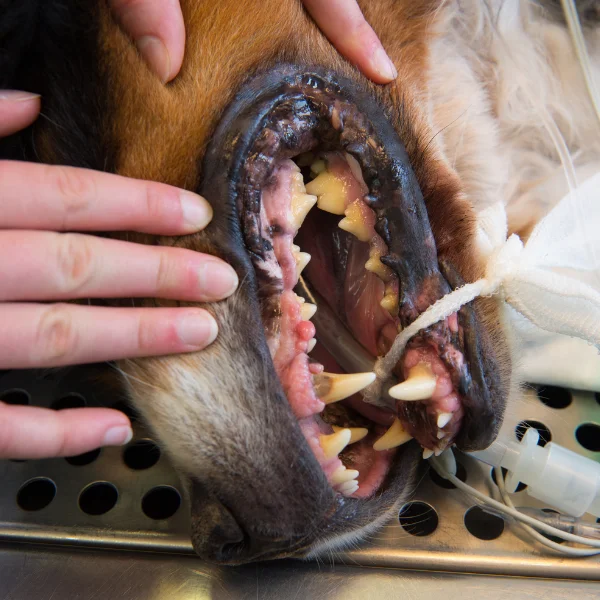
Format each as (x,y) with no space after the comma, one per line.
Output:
(560,478)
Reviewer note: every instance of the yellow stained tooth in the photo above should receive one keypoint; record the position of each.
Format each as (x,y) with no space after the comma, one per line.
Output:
(300,299)
(341,475)
(375,265)
(419,385)
(307,311)
(353,223)
(334,443)
(331,192)
(331,387)
(396,435)
(311,345)
(301,205)
(298,183)
(390,303)
(358,433)
(318,166)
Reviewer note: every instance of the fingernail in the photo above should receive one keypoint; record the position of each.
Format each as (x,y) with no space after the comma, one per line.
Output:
(197,329)
(217,279)
(17,96)
(383,65)
(118,436)
(197,212)
(156,55)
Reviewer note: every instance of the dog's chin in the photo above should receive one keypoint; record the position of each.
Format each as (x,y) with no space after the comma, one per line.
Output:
(304,163)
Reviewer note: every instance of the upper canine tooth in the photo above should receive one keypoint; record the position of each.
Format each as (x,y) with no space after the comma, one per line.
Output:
(341,475)
(331,192)
(307,311)
(443,419)
(419,385)
(334,443)
(396,435)
(301,205)
(357,433)
(331,387)
(353,223)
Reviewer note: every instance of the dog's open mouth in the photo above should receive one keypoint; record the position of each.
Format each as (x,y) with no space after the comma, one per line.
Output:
(326,198)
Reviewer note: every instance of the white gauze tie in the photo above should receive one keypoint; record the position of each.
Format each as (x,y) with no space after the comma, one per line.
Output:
(546,280)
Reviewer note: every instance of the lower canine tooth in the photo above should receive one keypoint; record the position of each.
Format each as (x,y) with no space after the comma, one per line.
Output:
(396,435)
(334,443)
(353,223)
(419,385)
(331,192)
(301,205)
(331,387)
(307,311)
(348,488)
(443,419)
(311,345)
(341,475)
(427,453)
(356,433)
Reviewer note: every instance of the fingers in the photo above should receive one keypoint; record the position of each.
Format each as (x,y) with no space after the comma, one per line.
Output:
(36,196)
(344,24)
(54,266)
(40,335)
(17,110)
(157,29)
(32,432)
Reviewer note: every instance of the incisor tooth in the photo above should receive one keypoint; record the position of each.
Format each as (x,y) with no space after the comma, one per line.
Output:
(341,475)
(357,433)
(300,299)
(353,223)
(419,385)
(348,488)
(331,192)
(307,311)
(334,443)
(301,205)
(302,259)
(318,166)
(396,435)
(311,345)
(331,387)
(443,419)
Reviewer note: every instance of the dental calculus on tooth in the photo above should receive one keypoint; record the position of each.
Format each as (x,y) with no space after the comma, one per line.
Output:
(354,223)
(395,436)
(332,387)
(419,385)
(330,191)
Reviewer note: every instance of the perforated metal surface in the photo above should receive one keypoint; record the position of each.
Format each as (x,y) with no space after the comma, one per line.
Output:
(65,508)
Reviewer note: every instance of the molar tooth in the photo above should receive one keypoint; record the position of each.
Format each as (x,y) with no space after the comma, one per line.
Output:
(348,488)
(396,435)
(307,311)
(357,433)
(354,224)
(419,385)
(443,419)
(331,192)
(334,443)
(331,387)
(301,205)
(342,475)
(427,453)
(311,345)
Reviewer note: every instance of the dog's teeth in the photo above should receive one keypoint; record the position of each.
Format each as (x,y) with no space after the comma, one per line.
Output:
(438,451)
(441,435)
(300,299)
(334,443)
(331,192)
(374,265)
(331,387)
(443,419)
(318,166)
(390,303)
(419,385)
(342,475)
(302,259)
(301,205)
(396,435)
(307,311)
(353,223)
(427,453)
(348,488)
(311,345)
(356,433)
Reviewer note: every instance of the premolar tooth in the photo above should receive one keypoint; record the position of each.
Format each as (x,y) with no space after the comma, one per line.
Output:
(331,387)
(342,475)
(331,192)
(396,435)
(334,443)
(356,433)
(348,488)
(353,223)
(311,345)
(301,205)
(300,299)
(390,303)
(318,166)
(427,453)
(443,419)
(419,385)
(307,311)
(302,259)
(375,265)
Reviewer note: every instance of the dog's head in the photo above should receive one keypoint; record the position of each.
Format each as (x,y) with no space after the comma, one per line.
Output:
(263,117)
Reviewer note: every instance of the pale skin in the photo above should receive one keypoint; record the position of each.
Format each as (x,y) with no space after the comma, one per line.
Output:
(40,263)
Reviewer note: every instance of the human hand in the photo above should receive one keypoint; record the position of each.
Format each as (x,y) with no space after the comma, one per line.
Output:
(39,264)
(158,30)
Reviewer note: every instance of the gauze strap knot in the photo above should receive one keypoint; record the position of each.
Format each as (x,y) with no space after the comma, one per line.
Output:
(546,280)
